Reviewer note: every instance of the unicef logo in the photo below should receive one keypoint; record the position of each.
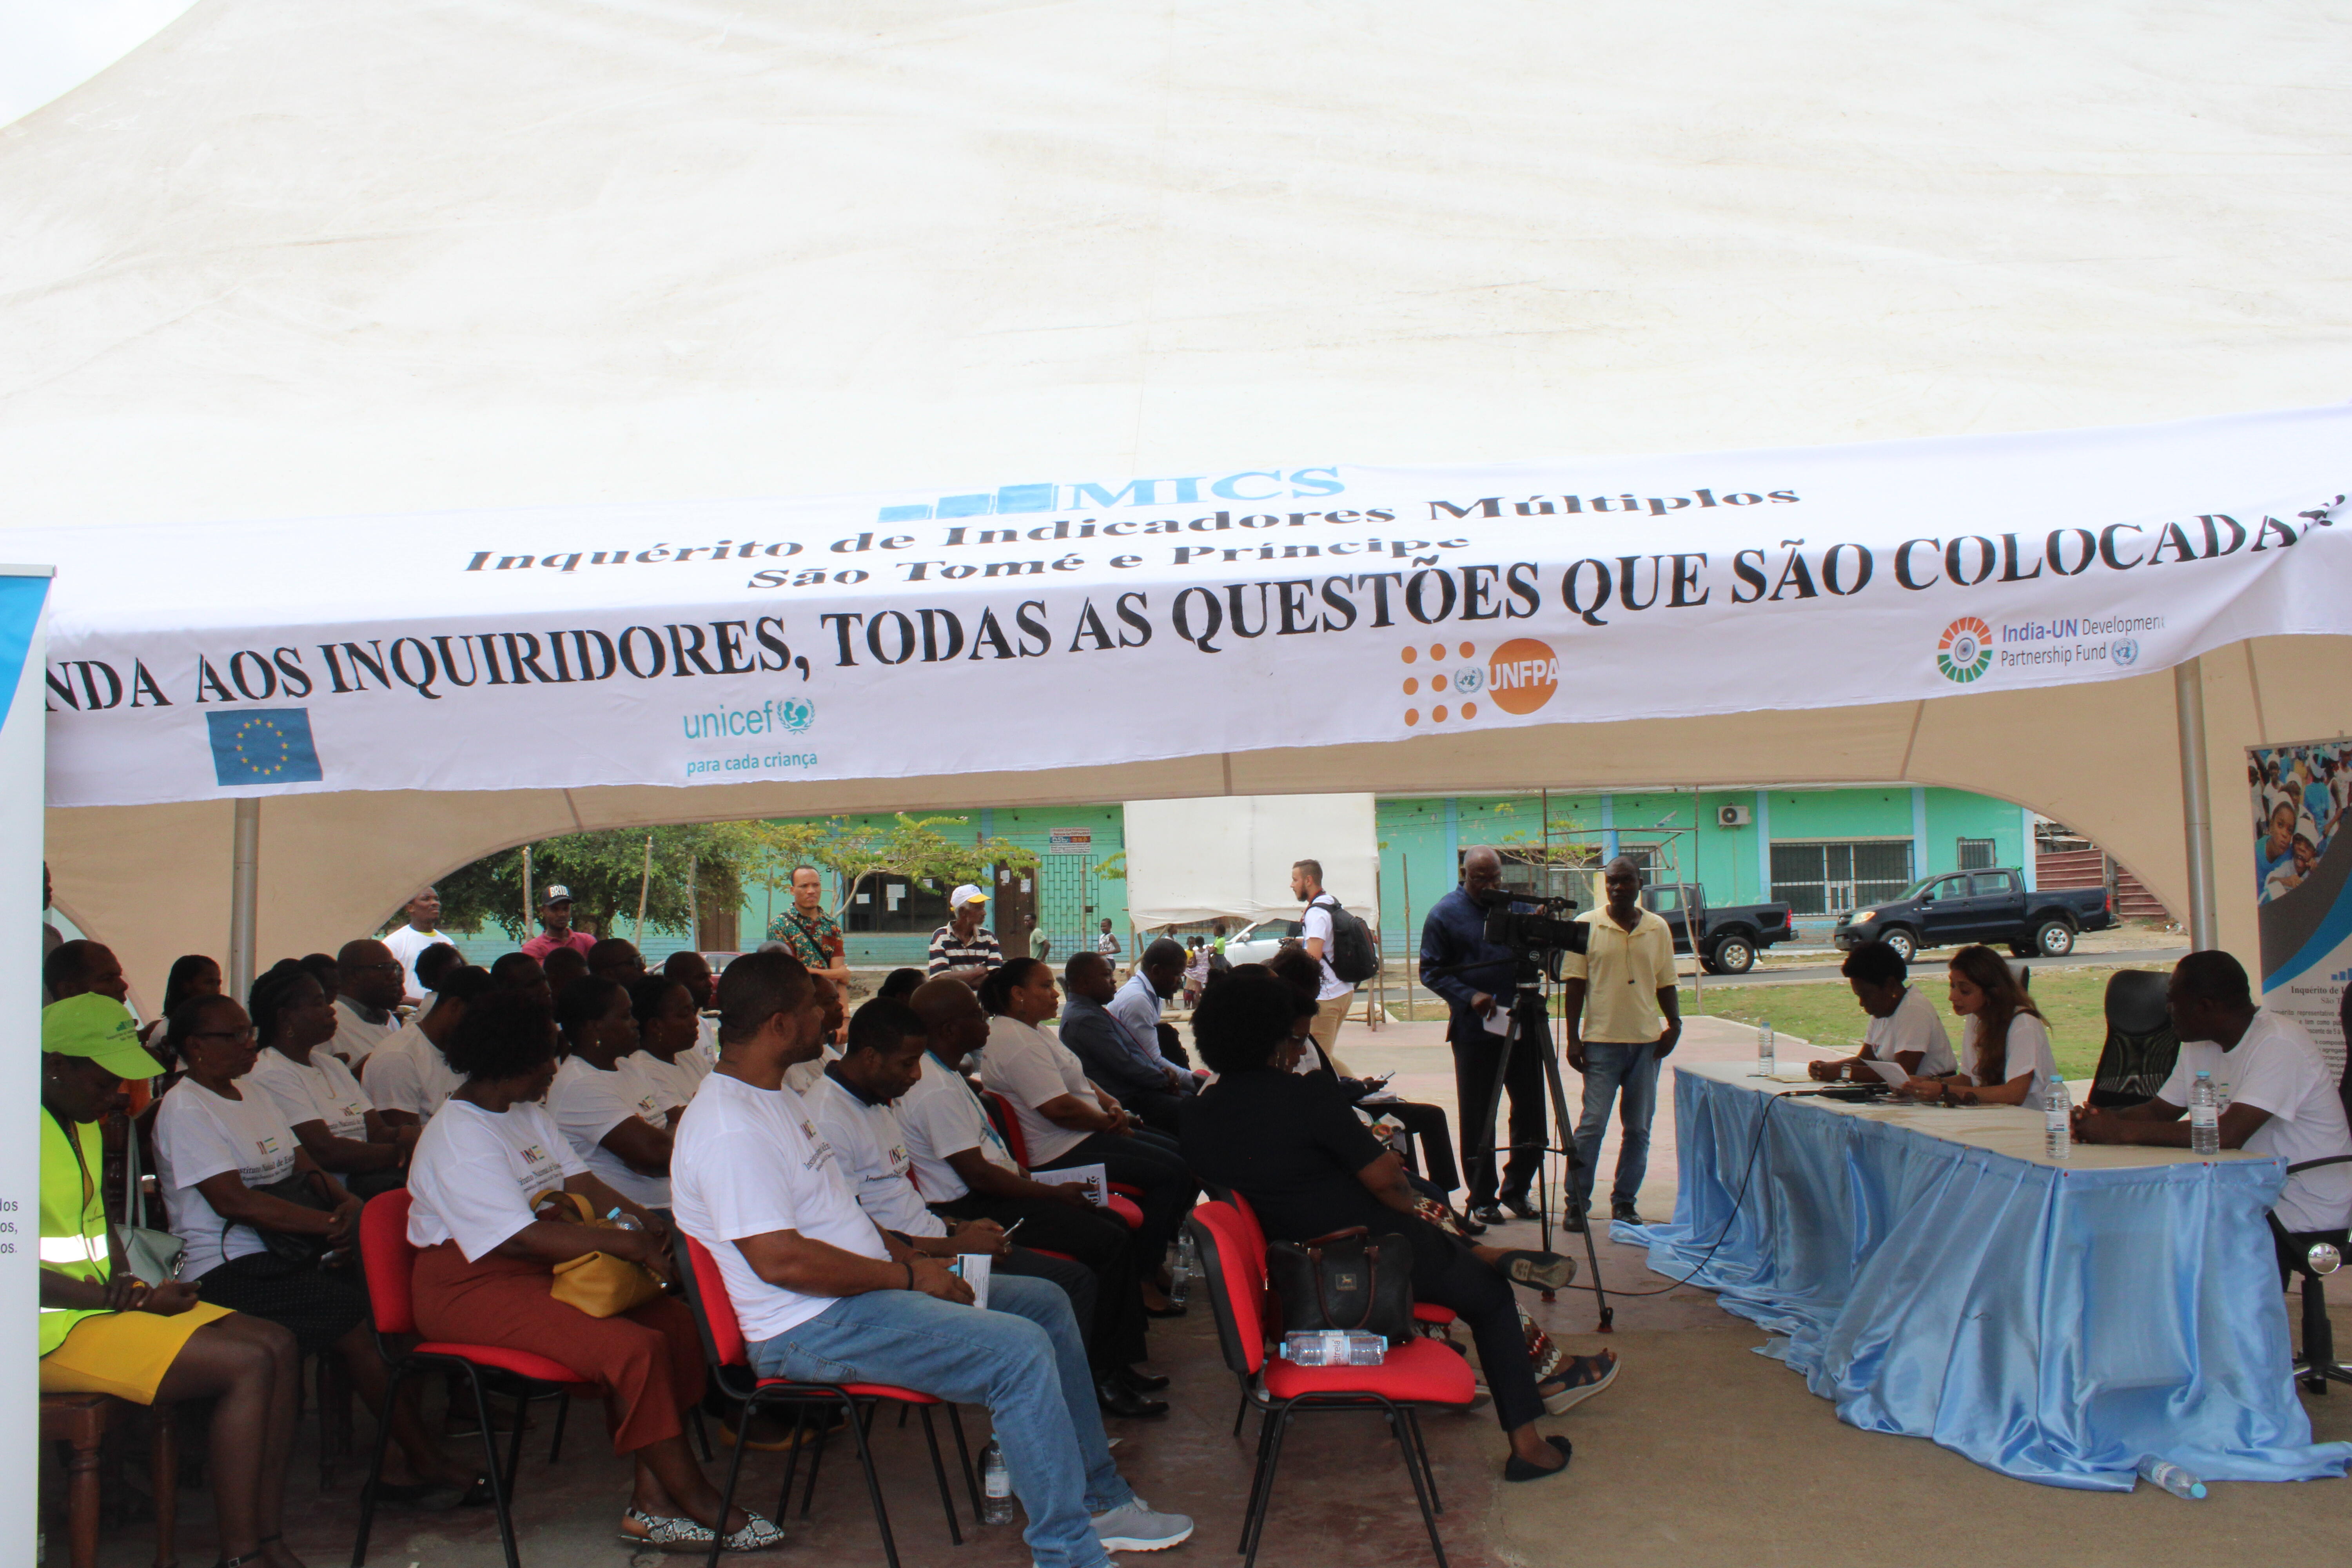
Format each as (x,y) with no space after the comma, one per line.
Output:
(1469,678)
(1965,650)
(2124,650)
(796,714)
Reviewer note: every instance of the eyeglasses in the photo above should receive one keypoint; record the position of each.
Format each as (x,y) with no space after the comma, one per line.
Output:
(388,964)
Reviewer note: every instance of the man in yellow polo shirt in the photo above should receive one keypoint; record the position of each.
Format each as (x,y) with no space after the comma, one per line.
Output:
(1624,1018)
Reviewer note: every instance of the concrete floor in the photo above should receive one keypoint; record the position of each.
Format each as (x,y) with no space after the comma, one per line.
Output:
(1702,1454)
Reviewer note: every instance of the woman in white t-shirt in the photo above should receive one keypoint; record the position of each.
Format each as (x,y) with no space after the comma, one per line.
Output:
(332,1117)
(669,1040)
(221,1144)
(2005,1055)
(616,1121)
(490,1236)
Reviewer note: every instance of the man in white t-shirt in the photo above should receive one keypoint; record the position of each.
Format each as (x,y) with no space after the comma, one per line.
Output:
(422,930)
(1904,1029)
(1315,935)
(825,1295)
(853,1104)
(2282,1100)
(369,980)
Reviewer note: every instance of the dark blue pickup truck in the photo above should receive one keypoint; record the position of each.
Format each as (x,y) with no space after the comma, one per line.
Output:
(1994,906)
(1728,938)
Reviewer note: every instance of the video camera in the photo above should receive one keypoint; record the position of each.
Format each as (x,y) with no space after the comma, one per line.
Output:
(1528,934)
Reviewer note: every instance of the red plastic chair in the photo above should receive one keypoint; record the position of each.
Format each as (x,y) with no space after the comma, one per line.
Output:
(731,1371)
(1119,1201)
(390,1264)
(1420,1372)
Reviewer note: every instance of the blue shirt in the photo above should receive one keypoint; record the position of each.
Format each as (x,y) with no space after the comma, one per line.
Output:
(1453,939)
(1109,1053)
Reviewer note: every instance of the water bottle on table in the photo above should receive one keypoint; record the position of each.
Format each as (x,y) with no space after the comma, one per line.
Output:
(995,1486)
(1764,1050)
(2204,1116)
(2057,1119)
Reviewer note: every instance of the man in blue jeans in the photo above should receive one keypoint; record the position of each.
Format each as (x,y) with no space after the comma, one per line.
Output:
(1623,1018)
(827,1295)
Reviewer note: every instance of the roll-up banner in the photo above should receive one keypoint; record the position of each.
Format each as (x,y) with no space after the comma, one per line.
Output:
(1320,602)
(2302,878)
(24,589)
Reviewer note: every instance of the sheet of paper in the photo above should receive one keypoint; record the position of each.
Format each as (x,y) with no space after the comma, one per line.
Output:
(1892,1072)
(974,1268)
(1094,1178)
(1499,1022)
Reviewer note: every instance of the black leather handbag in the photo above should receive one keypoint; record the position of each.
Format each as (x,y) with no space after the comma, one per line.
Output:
(1349,1280)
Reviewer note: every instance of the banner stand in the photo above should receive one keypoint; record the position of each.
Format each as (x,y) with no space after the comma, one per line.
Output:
(2302,876)
(2196,803)
(244,895)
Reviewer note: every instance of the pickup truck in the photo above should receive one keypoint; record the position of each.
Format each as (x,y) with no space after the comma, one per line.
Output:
(1730,937)
(1961,907)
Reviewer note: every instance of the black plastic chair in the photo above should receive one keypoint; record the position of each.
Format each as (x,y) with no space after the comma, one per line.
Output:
(2141,1046)
(2314,1255)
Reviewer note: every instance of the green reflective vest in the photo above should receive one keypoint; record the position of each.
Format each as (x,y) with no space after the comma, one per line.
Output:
(73,1218)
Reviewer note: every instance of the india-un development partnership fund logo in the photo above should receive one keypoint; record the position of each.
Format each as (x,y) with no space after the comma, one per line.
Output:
(1965,650)
(1517,677)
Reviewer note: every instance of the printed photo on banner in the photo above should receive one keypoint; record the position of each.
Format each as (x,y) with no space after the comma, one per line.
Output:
(2302,878)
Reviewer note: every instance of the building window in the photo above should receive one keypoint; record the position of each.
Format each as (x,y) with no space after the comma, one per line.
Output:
(887,903)
(1976,854)
(1829,879)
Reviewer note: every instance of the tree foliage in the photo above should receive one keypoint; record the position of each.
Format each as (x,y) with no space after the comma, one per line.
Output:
(909,846)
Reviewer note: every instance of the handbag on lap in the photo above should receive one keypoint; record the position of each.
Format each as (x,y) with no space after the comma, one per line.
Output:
(1348,1280)
(598,1283)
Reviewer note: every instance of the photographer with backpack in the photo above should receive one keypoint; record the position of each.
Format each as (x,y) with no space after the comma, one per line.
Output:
(1337,940)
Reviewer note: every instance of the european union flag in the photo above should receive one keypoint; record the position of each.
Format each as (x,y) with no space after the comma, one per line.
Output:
(264,745)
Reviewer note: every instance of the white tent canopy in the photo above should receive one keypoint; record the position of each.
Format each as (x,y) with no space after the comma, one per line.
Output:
(296,263)
(1225,858)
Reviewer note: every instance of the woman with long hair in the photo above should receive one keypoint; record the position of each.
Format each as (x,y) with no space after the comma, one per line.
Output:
(192,975)
(2004,1040)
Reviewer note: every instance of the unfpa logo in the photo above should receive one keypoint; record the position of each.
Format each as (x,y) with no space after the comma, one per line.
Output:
(1518,677)
(1965,650)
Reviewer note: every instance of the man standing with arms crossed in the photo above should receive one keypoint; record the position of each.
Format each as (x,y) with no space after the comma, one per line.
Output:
(1315,934)
(1623,1018)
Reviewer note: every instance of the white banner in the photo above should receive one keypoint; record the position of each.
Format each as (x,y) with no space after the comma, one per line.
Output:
(1048,624)
(2302,876)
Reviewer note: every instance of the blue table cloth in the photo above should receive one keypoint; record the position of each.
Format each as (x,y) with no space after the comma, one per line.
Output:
(2056,1323)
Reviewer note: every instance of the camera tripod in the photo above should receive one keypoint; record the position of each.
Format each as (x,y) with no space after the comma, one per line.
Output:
(1527,1002)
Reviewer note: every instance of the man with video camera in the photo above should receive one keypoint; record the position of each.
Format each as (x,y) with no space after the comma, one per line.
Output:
(1476,978)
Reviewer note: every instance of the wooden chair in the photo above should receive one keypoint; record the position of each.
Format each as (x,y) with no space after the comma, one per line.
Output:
(81,1422)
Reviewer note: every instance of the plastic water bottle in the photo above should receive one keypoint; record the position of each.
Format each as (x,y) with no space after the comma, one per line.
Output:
(622,1219)
(2057,1119)
(2204,1117)
(995,1486)
(1764,1051)
(2171,1477)
(1187,1264)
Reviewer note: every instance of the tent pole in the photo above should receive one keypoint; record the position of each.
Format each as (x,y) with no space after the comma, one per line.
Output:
(528,909)
(644,885)
(244,889)
(2197,806)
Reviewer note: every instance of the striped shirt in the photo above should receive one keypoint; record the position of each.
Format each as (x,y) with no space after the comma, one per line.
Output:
(951,952)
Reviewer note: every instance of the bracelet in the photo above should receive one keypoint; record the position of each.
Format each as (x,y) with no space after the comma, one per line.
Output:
(910,1273)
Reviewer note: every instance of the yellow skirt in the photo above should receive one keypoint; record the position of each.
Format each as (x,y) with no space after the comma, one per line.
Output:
(125,1355)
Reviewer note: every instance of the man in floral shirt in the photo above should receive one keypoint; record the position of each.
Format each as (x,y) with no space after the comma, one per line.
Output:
(808,932)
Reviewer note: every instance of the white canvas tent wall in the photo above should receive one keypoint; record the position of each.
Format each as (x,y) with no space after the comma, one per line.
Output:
(286,261)
(1214,858)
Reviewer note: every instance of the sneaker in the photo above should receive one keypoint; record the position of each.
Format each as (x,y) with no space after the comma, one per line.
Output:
(1542,1270)
(1133,1527)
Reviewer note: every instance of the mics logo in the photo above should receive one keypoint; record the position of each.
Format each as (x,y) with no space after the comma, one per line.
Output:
(1518,677)
(1250,485)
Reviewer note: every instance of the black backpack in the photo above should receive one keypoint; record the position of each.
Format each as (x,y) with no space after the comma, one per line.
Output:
(1352,958)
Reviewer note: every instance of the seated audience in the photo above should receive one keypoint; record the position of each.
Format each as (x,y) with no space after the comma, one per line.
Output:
(1136,1006)
(410,1077)
(854,1106)
(563,965)
(825,1294)
(332,1117)
(253,1211)
(105,1331)
(192,975)
(669,1032)
(1428,1125)
(900,984)
(84,968)
(1904,1028)
(615,959)
(966,1172)
(2282,1099)
(367,1010)
(1290,1144)
(2004,1043)
(804,1076)
(321,966)
(1064,1119)
(691,970)
(1102,1041)
(619,1123)
(440,959)
(488,1252)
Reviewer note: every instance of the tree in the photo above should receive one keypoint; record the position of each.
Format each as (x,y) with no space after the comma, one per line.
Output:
(604,870)
(909,846)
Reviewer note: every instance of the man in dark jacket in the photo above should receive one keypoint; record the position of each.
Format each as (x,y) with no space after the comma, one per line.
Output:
(1102,1046)
(1474,977)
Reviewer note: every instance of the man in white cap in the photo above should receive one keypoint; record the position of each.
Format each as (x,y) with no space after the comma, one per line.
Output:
(964,943)
(555,923)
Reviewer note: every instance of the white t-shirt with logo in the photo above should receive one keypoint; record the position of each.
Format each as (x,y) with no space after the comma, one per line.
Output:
(874,1159)
(475,1172)
(1030,1067)
(750,1162)
(406,944)
(409,1073)
(1315,924)
(589,1101)
(199,1135)
(356,1039)
(1914,1026)
(323,1090)
(673,1082)
(2275,1066)
(941,1116)
(2028,1049)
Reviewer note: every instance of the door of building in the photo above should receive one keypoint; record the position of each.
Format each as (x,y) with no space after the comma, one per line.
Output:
(1831,879)
(1015,903)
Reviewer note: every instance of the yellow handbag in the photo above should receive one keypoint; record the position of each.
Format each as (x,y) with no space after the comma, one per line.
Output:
(598,1283)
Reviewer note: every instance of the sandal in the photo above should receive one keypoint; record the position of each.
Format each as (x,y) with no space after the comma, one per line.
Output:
(664,1534)
(1586,1375)
(758,1534)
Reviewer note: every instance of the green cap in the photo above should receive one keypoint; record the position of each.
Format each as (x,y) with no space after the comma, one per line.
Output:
(97,1028)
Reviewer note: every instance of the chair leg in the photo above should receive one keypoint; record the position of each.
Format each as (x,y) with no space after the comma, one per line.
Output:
(514,1440)
(499,1481)
(860,1430)
(939,1474)
(1257,1474)
(1397,1424)
(817,1456)
(792,1455)
(375,1468)
(963,1457)
(563,1409)
(82,1494)
(727,1492)
(334,1381)
(1254,1530)
(1421,1446)
(164,1474)
(1241,1410)
(701,1433)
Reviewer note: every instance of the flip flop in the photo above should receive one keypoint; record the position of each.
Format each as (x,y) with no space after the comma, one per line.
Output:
(1538,1270)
